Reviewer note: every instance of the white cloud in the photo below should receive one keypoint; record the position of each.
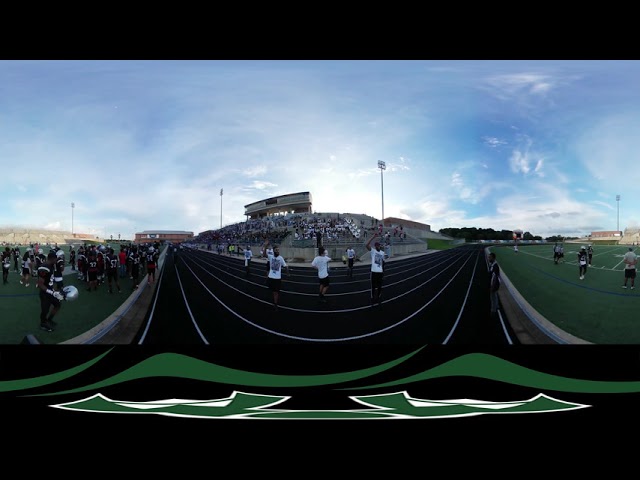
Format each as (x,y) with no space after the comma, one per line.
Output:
(602,204)
(493,142)
(255,171)
(260,185)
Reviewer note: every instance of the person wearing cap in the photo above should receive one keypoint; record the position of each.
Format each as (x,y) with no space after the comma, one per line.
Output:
(630,261)
(377,270)
(582,262)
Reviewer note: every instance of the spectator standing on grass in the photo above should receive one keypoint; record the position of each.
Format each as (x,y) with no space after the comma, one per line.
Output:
(494,282)
(72,258)
(582,262)
(630,260)
(26,269)
(16,259)
(6,265)
(122,259)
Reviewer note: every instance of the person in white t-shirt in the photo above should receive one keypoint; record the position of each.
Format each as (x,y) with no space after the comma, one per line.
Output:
(351,255)
(377,270)
(248,254)
(274,280)
(268,250)
(630,261)
(321,263)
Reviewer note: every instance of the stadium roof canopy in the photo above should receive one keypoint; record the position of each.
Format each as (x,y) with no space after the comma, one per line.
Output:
(291,202)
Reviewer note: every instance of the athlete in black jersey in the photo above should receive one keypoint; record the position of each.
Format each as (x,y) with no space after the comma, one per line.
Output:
(582,262)
(49,299)
(112,262)
(135,267)
(59,271)
(92,270)
(6,265)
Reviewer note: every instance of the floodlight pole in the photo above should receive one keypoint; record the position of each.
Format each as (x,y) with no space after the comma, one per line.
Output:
(221,209)
(382,166)
(618,201)
(73,205)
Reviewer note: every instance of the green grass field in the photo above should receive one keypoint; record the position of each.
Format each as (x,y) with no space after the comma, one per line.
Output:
(20,307)
(437,244)
(596,309)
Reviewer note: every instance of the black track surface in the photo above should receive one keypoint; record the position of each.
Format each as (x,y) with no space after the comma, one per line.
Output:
(203,297)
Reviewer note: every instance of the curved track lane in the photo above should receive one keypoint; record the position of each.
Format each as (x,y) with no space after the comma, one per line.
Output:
(437,298)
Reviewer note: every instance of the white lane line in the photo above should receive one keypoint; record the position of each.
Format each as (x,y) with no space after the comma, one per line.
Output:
(331,294)
(195,324)
(311,276)
(446,340)
(307,339)
(153,309)
(324,311)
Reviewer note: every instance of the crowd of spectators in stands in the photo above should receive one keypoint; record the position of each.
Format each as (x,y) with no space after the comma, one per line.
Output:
(302,226)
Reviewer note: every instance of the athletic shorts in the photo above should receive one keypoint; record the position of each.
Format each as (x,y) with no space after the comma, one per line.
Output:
(26,271)
(376,279)
(350,262)
(629,273)
(151,270)
(324,281)
(112,274)
(274,284)
(92,276)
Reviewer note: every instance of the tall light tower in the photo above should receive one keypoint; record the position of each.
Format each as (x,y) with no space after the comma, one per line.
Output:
(382,166)
(221,209)
(73,205)
(618,201)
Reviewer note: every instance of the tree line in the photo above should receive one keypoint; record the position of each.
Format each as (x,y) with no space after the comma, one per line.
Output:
(473,234)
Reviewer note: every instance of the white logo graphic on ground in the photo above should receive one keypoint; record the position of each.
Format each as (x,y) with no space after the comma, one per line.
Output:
(399,405)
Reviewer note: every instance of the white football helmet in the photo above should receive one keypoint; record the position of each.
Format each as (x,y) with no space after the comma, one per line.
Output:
(70,293)
(60,253)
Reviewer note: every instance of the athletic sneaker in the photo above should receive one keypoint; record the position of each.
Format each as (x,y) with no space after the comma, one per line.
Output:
(581,277)
(632,287)
(624,286)
(46,326)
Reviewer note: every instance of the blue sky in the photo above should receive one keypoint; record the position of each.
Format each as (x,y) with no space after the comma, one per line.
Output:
(544,146)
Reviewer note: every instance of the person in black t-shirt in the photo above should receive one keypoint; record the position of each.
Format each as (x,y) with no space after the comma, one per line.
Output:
(49,299)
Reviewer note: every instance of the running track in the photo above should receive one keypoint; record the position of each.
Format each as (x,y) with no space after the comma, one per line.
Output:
(201,297)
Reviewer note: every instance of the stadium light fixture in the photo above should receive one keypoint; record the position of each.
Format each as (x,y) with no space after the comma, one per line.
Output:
(73,205)
(382,166)
(221,209)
